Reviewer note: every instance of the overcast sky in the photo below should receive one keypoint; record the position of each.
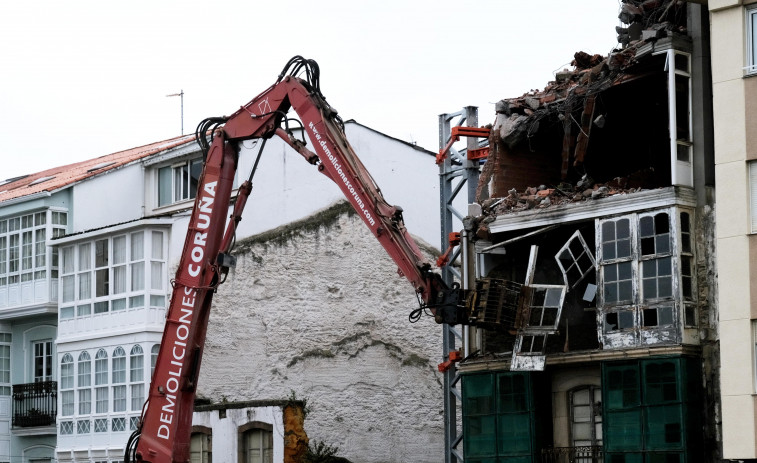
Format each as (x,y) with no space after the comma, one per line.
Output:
(82,79)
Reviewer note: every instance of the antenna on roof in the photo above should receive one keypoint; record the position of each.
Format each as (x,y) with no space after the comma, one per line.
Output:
(182,108)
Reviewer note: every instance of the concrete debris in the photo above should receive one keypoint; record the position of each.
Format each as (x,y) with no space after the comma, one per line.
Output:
(564,193)
(582,111)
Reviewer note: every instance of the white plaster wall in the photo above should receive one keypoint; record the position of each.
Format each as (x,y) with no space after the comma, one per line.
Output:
(287,188)
(108,199)
(325,316)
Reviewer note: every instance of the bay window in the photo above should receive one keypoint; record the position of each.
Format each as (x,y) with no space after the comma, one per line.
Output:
(645,277)
(23,246)
(106,397)
(114,273)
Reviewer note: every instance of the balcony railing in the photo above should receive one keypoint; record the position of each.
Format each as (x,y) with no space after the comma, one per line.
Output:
(35,404)
(588,454)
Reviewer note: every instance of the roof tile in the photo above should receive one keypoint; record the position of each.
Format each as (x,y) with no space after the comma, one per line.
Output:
(58,177)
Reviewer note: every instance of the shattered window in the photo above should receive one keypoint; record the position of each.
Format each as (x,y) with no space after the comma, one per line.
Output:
(655,234)
(532,344)
(575,260)
(545,306)
(658,316)
(638,270)
(617,321)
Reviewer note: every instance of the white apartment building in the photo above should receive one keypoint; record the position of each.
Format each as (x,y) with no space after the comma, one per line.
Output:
(87,252)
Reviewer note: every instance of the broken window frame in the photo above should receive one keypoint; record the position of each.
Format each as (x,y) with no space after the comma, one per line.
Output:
(541,328)
(628,315)
(575,259)
(687,268)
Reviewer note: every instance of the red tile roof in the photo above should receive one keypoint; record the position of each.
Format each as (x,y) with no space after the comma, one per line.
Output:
(58,177)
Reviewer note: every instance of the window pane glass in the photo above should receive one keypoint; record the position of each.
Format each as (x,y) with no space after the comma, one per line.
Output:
(136,364)
(624,430)
(179,176)
(195,169)
(118,304)
(101,400)
(157,245)
(101,367)
(67,284)
(84,366)
(119,365)
(119,250)
(164,186)
(156,275)
(102,282)
(85,401)
(39,248)
(664,426)
(625,320)
(83,310)
(68,259)
(517,439)
(138,276)
(119,279)
(119,398)
(85,256)
(85,285)
(101,307)
(137,397)
(101,253)
(137,246)
(479,394)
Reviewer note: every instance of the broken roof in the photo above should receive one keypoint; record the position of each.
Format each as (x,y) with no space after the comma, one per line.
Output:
(56,178)
(553,126)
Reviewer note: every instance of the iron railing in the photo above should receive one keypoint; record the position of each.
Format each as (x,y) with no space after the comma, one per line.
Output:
(35,404)
(588,454)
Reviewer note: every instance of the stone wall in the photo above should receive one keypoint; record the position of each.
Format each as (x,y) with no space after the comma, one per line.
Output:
(316,309)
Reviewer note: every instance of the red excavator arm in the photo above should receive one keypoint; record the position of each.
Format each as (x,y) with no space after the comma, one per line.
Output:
(164,434)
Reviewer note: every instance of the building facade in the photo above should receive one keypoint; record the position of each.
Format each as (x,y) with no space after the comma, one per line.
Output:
(87,252)
(594,255)
(734,91)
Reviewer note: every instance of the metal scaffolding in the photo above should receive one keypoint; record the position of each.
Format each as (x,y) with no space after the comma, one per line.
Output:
(456,173)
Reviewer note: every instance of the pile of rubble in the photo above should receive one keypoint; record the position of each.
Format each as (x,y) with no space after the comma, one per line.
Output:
(564,193)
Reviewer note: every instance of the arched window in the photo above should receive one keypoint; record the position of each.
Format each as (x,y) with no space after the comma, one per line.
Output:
(137,377)
(201,445)
(101,381)
(256,443)
(84,383)
(586,416)
(118,379)
(154,358)
(67,385)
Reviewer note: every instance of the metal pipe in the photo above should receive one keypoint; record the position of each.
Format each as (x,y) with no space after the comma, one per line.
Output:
(466,285)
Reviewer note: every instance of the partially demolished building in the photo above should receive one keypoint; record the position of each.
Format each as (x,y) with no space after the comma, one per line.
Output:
(594,261)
